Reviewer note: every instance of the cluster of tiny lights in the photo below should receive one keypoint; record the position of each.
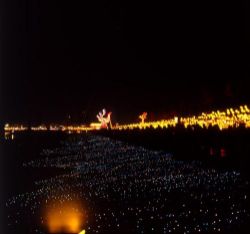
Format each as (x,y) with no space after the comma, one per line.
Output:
(124,187)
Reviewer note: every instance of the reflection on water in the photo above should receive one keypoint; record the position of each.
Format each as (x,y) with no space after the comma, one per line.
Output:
(64,217)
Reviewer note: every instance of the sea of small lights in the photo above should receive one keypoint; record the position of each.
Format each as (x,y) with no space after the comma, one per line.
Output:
(132,189)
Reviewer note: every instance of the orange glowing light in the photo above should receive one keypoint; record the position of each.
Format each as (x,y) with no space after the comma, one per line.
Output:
(65,217)
(82,232)
(143,116)
(230,117)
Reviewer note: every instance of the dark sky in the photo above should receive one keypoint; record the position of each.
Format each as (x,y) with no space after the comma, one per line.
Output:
(128,56)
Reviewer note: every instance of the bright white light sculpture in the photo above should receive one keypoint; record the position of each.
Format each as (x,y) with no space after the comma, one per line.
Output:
(104,118)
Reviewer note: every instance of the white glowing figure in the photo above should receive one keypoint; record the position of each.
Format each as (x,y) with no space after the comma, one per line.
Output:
(104,118)
(143,116)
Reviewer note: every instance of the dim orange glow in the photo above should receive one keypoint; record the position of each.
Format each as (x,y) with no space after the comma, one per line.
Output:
(142,117)
(66,217)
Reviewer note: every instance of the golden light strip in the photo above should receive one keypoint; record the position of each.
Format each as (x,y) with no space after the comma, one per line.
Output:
(223,119)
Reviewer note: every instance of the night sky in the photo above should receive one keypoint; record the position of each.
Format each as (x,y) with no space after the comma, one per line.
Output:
(75,58)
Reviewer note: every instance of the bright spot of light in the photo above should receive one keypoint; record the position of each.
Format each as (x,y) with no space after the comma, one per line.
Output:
(65,217)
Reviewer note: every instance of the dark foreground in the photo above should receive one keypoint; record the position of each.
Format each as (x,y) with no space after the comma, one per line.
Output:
(120,188)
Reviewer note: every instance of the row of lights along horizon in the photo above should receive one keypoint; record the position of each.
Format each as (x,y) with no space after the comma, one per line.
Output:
(231,117)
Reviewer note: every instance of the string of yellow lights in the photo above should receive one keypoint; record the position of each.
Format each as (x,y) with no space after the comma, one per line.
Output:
(222,119)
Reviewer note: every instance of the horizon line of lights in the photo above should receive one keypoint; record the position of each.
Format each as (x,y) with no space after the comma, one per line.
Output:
(222,119)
